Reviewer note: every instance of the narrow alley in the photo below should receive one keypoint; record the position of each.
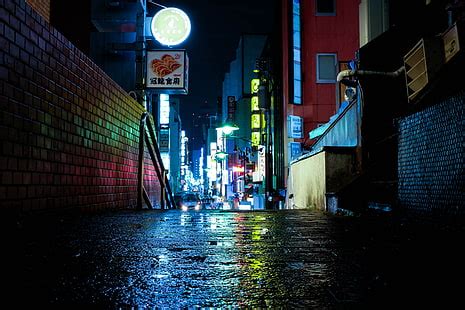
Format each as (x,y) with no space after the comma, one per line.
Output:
(211,258)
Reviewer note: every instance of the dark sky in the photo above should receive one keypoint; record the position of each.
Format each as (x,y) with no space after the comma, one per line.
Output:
(216,28)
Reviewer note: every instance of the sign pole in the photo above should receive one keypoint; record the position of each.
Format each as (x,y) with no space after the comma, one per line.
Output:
(140,53)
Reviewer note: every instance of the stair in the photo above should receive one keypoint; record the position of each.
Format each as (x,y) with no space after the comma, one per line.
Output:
(363,195)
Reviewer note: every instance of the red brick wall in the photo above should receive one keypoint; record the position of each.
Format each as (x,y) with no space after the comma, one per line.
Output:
(42,7)
(69,134)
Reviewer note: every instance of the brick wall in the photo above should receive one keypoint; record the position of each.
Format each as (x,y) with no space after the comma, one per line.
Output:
(42,7)
(69,134)
(431,159)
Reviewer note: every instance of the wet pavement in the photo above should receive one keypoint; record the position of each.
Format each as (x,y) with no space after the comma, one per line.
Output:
(223,259)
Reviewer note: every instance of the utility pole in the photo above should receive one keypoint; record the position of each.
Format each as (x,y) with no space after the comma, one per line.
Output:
(268,162)
(265,106)
(140,48)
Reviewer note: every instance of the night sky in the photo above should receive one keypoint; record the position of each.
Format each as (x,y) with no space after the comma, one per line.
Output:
(216,28)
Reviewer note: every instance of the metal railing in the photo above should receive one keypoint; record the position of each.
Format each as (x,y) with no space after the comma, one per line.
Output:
(166,196)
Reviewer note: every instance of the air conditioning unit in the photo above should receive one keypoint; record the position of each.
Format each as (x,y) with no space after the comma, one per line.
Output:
(421,64)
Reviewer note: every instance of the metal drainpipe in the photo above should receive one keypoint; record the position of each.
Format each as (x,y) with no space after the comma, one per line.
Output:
(349,73)
(341,78)
(268,155)
(269,161)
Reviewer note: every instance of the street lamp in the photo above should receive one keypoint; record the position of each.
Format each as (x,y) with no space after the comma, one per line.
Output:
(228,128)
(225,130)
(221,155)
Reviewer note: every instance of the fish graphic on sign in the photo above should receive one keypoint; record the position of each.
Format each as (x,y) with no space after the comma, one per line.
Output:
(165,65)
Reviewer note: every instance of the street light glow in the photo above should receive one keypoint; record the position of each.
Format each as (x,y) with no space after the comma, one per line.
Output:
(221,155)
(227,129)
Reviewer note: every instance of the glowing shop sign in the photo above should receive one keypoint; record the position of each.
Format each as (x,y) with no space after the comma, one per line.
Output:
(255,123)
(164,109)
(254,104)
(255,137)
(254,84)
(171,26)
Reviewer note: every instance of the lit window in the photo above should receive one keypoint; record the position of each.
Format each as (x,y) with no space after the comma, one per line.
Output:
(326,68)
(325,7)
(297,79)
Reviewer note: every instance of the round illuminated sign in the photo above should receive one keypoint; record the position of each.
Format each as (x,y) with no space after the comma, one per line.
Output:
(170,26)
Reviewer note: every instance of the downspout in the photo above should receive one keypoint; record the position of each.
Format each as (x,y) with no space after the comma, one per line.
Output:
(343,76)
(355,73)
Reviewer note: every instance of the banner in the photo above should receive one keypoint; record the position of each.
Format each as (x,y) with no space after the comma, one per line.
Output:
(167,71)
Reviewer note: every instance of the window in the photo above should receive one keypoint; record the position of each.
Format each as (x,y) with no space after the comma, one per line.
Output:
(297,79)
(326,68)
(325,7)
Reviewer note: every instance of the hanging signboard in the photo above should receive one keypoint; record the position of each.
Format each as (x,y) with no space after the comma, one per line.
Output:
(231,107)
(255,138)
(294,150)
(255,121)
(167,71)
(170,26)
(294,129)
(259,174)
(164,111)
(164,140)
(254,107)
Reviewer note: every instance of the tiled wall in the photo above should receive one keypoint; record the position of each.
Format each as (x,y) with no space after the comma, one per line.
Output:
(42,7)
(69,134)
(431,159)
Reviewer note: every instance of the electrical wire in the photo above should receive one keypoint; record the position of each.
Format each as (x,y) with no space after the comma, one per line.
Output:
(160,5)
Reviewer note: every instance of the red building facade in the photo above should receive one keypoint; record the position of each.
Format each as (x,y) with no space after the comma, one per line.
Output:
(329,36)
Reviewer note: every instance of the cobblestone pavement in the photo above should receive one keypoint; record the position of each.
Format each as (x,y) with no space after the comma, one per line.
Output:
(199,259)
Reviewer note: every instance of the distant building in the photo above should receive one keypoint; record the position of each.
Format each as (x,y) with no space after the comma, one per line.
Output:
(236,108)
(236,82)
(175,145)
(196,157)
(115,22)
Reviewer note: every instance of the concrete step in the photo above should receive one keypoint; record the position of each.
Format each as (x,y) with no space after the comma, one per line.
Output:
(363,195)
